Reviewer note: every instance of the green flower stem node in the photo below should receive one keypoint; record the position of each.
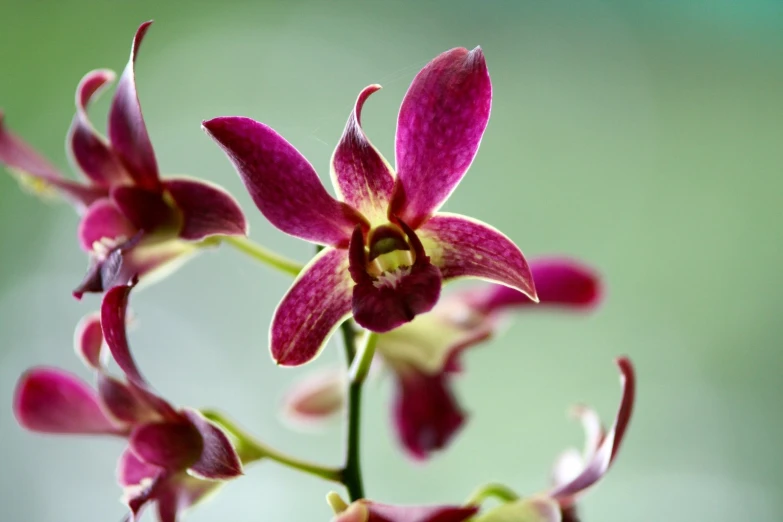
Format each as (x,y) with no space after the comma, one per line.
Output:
(492,490)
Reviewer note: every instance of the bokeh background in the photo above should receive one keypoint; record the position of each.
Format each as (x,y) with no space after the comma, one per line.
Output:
(645,138)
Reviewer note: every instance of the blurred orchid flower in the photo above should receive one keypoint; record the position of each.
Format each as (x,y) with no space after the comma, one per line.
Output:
(173,458)
(133,222)
(388,249)
(424,354)
(368,511)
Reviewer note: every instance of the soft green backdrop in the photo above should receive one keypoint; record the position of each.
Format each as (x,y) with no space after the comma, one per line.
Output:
(643,137)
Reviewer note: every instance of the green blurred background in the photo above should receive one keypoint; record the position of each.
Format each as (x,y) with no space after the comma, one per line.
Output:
(642,137)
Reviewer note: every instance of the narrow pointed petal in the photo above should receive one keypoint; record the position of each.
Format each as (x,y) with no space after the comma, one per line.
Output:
(49,400)
(114,309)
(88,341)
(537,509)
(389,513)
(461,246)
(103,221)
(559,283)
(315,398)
(361,175)
(218,459)
(173,446)
(89,150)
(316,304)
(35,172)
(282,183)
(426,414)
(127,130)
(207,209)
(439,128)
(602,459)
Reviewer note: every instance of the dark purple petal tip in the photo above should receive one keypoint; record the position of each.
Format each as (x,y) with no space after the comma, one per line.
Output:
(218,459)
(174,446)
(206,209)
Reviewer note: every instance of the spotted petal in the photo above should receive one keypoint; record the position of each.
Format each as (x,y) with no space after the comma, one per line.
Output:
(282,183)
(207,209)
(49,400)
(439,128)
(600,461)
(37,173)
(461,246)
(361,175)
(127,130)
(315,305)
(89,150)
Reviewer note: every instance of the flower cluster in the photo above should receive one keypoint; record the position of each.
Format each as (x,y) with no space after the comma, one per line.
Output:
(384,252)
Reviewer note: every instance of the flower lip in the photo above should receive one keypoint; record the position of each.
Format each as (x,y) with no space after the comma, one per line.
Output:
(385,239)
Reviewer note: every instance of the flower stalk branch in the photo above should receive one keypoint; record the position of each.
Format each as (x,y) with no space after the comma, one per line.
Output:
(259,253)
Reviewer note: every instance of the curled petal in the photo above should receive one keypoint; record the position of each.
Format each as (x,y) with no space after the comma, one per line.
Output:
(171,445)
(315,305)
(602,459)
(315,398)
(103,221)
(37,173)
(462,246)
(146,209)
(425,412)
(559,283)
(218,459)
(207,209)
(283,185)
(48,400)
(89,149)
(114,308)
(361,175)
(88,340)
(439,128)
(127,130)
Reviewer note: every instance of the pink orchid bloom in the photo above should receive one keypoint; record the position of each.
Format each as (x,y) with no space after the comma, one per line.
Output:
(174,457)
(424,354)
(132,221)
(388,249)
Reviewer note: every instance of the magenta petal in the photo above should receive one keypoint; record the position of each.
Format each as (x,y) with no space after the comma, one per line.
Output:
(388,513)
(559,283)
(439,128)
(89,149)
(179,493)
(121,402)
(103,220)
(394,299)
(362,177)
(146,209)
(24,161)
(207,209)
(315,305)
(88,340)
(425,412)
(602,459)
(127,131)
(283,185)
(219,459)
(170,445)
(462,246)
(49,400)
(113,318)
(131,471)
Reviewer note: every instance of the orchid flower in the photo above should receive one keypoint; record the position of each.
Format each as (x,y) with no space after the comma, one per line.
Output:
(387,248)
(423,355)
(132,221)
(369,511)
(173,458)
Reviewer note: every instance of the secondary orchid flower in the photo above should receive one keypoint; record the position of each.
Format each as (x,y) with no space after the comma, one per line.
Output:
(133,222)
(174,456)
(388,249)
(369,511)
(573,472)
(423,355)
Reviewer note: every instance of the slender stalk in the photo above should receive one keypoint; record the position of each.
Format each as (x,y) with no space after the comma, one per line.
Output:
(256,251)
(251,450)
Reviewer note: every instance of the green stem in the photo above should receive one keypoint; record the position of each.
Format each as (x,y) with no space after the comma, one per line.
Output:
(251,450)
(495,490)
(256,251)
